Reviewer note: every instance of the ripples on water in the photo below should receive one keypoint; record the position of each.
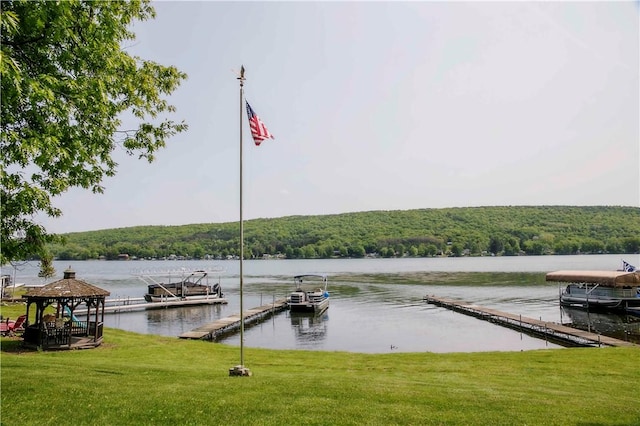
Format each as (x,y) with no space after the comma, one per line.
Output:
(389,317)
(376,305)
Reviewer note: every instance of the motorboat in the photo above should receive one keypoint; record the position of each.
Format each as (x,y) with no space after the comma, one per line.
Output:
(191,286)
(600,290)
(310,294)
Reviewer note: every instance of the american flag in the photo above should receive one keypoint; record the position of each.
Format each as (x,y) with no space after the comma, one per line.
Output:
(258,129)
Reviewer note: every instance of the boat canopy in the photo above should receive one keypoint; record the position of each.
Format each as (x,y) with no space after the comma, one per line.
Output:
(604,278)
(310,283)
(297,277)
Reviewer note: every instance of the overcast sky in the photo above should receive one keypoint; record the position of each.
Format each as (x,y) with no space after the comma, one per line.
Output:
(384,106)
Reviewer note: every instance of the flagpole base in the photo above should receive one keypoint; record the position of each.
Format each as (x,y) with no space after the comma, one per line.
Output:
(239,370)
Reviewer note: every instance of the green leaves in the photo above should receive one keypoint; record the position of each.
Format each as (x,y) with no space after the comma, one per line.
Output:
(454,231)
(66,85)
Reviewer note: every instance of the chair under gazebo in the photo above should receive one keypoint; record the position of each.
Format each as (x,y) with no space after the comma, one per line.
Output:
(77,322)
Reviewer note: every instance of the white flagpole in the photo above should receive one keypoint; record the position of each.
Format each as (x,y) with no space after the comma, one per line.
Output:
(241,228)
(240,370)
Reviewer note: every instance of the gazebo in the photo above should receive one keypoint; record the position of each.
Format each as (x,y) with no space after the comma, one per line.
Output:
(78,319)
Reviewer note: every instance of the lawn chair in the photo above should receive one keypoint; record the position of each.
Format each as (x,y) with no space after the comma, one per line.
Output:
(4,327)
(19,324)
(9,327)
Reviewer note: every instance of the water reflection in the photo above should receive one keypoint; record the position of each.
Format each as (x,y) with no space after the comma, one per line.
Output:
(621,326)
(167,322)
(385,318)
(371,314)
(309,328)
(192,314)
(376,305)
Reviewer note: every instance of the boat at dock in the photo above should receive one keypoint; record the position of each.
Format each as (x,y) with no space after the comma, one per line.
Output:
(310,294)
(599,290)
(193,286)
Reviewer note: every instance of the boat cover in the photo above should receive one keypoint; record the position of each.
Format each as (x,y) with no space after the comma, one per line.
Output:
(605,278)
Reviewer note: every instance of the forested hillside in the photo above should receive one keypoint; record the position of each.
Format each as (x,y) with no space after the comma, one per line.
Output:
(427,232)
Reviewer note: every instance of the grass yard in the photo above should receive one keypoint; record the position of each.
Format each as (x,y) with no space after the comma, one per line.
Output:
(141,379)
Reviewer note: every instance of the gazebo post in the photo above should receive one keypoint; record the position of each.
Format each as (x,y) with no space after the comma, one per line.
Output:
(95,322)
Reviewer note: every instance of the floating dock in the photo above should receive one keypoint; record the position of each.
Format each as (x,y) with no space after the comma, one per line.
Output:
(213,330)
(543,329)
(130,304)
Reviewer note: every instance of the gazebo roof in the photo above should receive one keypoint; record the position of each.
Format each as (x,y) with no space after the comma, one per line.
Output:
(69,286)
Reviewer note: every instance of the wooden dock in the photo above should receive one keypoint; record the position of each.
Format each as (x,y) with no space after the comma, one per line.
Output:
(130,304)
(213,330)
(542,329)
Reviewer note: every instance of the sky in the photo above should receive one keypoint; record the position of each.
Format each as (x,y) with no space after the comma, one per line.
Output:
(382,106)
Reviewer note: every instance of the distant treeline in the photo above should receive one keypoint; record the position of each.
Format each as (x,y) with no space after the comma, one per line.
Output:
(470,231)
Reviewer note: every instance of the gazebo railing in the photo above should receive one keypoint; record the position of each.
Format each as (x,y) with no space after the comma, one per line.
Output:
(79,328)
(61,333)
(86,328)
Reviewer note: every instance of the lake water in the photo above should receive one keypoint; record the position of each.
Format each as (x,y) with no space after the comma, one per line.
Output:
(376,304)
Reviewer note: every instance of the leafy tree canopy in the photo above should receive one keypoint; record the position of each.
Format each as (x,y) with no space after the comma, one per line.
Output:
(67,82)
(470,231)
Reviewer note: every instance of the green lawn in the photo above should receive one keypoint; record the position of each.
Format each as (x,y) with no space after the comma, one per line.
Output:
(142,379)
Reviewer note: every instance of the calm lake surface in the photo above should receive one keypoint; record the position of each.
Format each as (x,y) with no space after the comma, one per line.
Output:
(376,304)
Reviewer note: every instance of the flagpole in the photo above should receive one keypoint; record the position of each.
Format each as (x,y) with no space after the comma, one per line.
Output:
(240,370)
(241,78)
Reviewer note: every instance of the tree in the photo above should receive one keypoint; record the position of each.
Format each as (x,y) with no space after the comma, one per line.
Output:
(67,83)
(357,251)
(46,267)
(496,245)
(456,249)
(309,252)
(631,244)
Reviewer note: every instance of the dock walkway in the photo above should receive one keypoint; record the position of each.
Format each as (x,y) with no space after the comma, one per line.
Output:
(213,330)
(548,330)
(130,304)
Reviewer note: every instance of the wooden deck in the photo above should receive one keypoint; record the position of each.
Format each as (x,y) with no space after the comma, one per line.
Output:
(543,329)
(87,342)
(213,330)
